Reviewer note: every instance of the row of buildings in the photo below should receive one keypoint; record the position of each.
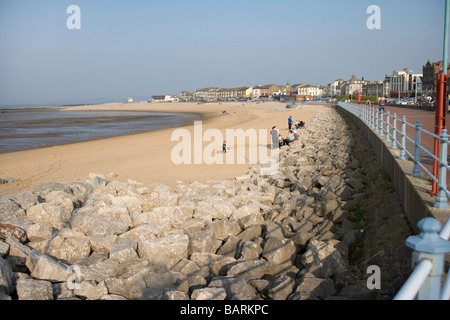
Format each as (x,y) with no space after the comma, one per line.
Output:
(258,92)
(401,84)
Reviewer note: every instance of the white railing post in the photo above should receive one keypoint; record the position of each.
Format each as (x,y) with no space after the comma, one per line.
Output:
(381,122)
(394,132)
(388,127)
(377,121)
(429,246)
(441,198)
(416,170)
(372,111)
(365,113)
(403,142)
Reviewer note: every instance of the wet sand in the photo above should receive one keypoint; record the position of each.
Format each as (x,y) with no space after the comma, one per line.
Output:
(145,157)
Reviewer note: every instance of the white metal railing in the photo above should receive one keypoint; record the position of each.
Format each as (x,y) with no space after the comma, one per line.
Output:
(375,119)
(415,281)
(429,259)
(432,244)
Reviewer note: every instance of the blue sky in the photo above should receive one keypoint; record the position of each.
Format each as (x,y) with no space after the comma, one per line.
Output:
(139,48)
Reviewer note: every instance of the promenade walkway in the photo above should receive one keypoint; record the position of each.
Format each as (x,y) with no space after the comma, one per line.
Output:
(427,119)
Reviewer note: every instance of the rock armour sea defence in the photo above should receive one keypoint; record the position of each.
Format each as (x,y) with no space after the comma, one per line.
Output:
(282,236)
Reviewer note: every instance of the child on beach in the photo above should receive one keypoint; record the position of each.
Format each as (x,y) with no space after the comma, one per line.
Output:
(290,122)
(224,147)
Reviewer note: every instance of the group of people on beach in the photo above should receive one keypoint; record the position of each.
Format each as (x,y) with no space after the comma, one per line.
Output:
(278,140)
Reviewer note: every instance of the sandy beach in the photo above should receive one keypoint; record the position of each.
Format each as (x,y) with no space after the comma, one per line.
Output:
(144,157)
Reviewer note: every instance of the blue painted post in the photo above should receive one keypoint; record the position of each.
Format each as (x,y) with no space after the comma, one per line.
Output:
(364,113)
(377,121)
(403,147)
(441,198)
(372,117)
(394,132)
(416,170)
(381,122)
(367,114)
(388,127)
(429,245)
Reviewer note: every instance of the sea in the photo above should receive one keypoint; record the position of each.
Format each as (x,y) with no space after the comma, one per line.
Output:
(24,128)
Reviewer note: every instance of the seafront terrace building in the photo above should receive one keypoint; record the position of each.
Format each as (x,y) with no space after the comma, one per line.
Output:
(405,83)
(238,93)
(430,71)
(308,92)
(165,98)
(352,86)
(187,96)
(375,89)
(265,91)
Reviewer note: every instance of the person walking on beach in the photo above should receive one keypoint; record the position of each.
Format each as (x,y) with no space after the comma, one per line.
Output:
(290,122)
(275,142)
(224,147)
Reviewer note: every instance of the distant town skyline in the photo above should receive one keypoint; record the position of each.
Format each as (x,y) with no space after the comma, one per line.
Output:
(142,48)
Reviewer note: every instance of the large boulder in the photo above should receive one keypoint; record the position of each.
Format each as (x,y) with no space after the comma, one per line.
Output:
(236,288)
(170,214)
(50,214)
(8,230)
(6,277)
(31,289)
(44,267)
(68,245)
(165,252)
(97,225)
(10,211)
(279,251)
(323,259)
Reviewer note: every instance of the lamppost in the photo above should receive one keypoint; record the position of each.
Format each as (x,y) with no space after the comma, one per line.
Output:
(441,98)
(410,83)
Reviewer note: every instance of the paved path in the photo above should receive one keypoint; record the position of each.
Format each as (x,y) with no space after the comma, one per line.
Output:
(427,119)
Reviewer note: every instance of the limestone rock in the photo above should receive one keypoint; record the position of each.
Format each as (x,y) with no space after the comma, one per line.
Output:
(165,251)
(209,294)
(212,263)
(323,258)
(26,199)
(10,211)
(96,224)
(4,249)
(45,268)
(124,250)
(68,245)
(281,288)
(45,189)
(280,251)
(203,241)
(247,210)
(117,212)
(8,230)
(224,228)
(90,290)
(6,277)
(39,232)
(316,287)
(49,214)
(236,288)
(30,289)
(251,269)
(170,214)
